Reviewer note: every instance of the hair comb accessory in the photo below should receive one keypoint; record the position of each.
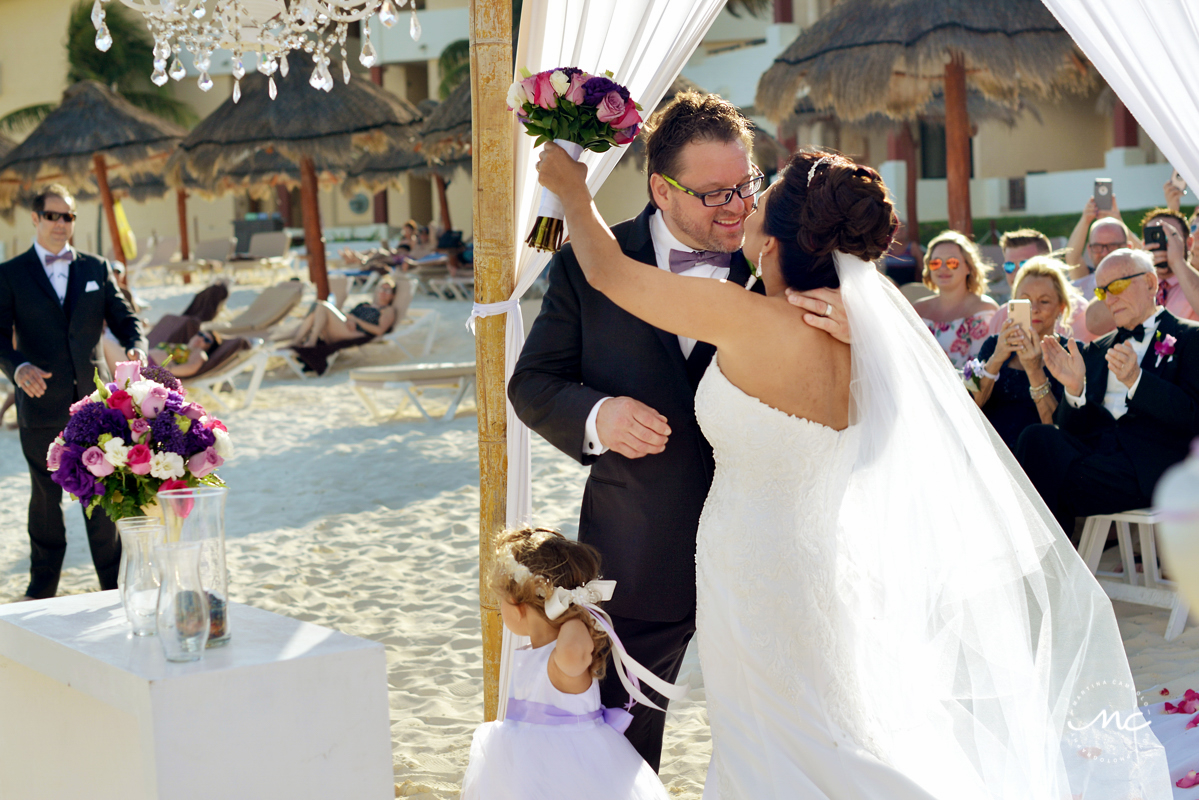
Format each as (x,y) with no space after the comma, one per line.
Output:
(812,171)
(592,592)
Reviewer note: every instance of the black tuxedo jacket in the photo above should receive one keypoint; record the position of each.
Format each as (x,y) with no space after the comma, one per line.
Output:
(1163,414)
(641,514)
(63,340)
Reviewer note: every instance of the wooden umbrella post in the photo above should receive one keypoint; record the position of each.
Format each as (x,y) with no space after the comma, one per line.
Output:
(181,209)
(309,205)
(490,74)
(957,146)
(101,170)
(444,203)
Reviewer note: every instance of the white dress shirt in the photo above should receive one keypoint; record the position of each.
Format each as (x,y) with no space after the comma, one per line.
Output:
(59,272)
(1116,398)
(664,241)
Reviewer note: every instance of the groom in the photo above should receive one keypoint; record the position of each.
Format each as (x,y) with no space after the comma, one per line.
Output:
(619,395)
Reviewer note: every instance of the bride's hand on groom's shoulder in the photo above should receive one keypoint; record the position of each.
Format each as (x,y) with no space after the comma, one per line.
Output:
(825,310)
(560,173)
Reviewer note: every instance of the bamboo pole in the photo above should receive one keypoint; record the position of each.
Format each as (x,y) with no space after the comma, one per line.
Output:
(101,170)
(311,210)
(181,209)
(957,146)
(491,126)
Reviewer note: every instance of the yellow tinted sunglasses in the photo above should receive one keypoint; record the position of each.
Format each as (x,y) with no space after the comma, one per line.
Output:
(1116,287)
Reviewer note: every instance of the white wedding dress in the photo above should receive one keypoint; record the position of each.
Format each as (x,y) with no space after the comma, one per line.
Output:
(888,612)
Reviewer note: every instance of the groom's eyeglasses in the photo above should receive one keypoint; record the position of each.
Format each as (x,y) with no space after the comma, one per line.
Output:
(721,197)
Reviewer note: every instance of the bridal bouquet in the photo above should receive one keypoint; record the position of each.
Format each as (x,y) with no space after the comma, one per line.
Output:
(132,437)
(579,112)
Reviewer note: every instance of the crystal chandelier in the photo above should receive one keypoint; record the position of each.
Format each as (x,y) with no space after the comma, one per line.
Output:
(269,29)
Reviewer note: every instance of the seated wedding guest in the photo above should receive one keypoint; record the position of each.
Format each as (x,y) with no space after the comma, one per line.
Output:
(327,324)
(185,359)
(1130,404)
(1178,282)
(1015,391)
(959,314)
(902,262)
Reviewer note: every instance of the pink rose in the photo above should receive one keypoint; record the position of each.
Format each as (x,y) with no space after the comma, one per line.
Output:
(181,506)
(626,135)
(96,463)
(54,455)
(543,93)
(140,428)
(213,424)
(121,401)
(87,398)
(193,411)
(138,458)
(610,108)
(156,400)
(575,93)
(127,373)
(629,118)
(204,462)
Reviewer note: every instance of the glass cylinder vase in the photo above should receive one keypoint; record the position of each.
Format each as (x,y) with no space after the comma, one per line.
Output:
(182,618)
(137,580)
(198,515)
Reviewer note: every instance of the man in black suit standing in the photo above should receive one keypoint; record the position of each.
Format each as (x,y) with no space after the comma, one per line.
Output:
(617,394)
(1131,405)
(55,301)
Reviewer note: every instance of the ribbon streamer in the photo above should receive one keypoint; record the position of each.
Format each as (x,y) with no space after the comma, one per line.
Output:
(490,310)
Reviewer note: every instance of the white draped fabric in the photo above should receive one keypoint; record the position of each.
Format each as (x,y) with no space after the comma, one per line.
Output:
(1145,50)
(645,43)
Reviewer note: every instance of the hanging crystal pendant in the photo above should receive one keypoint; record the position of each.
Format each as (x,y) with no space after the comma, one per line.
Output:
(159,77)
(270,88)
(345,71)
(387,14)
(236,91)
(205,82)
(317,80)
(177,71)
(103,38)
(326,77)
(97,15)
(283,65)
(414,26)
(239,69)
(199,11)
(203,61)
(367,56)
(161,49)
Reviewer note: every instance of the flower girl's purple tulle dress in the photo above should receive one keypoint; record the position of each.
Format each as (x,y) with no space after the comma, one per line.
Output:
(563,750)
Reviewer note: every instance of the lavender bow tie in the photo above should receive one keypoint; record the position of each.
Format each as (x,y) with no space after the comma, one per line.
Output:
(683,260)
(67,257)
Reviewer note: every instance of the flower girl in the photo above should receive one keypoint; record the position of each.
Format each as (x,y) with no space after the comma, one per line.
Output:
(557,741)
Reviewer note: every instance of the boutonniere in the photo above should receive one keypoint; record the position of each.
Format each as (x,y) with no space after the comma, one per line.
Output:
(1164,347)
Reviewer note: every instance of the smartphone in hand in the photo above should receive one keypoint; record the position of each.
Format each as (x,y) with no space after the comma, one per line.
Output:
(1021,312)
(1155,238)
(1103,194)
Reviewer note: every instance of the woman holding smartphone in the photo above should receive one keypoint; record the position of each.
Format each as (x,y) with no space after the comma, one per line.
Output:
(1016,390)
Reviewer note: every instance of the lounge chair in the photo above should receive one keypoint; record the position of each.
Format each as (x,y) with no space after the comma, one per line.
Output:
(270,307)
(173,329)
(208,255)
(269,251)
(415,380)
(409,322)
(231,358)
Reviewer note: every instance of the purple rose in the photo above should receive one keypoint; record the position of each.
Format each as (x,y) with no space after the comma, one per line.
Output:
(139,427)
(54,455)
(155,402)
(192,411)
(96,463)
(204,462)
(596,89)
(576,93)
(73,476)
(611,108)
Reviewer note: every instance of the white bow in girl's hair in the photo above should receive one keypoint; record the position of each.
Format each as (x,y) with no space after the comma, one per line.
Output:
(627,669)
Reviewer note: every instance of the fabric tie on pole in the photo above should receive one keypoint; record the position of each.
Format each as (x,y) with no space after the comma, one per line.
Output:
(478,310)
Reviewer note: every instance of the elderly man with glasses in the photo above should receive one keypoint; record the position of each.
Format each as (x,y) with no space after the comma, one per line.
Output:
(1131,405)
(54,302)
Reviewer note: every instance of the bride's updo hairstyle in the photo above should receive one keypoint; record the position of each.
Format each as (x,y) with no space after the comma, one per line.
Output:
(844,208)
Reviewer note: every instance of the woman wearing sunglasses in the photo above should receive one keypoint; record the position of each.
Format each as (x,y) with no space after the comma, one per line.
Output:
(1017,390)
(186,359)
(959,314)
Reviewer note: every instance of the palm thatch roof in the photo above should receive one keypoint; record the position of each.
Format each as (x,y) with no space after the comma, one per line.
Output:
(333,128)
(259,173)
(90,120)
(447,131)
(978,107)
(6,145)
(888,56)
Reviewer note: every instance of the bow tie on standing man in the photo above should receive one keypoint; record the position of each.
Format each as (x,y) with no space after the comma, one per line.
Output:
(54,304)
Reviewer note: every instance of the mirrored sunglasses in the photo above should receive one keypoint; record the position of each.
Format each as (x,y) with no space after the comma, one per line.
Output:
(55,216)
(951,263)
(1011,266)
(1116,287)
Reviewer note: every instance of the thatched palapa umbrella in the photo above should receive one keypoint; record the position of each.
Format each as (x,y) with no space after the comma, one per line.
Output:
(890,56)
(92,135)
(305,125)
(446,137)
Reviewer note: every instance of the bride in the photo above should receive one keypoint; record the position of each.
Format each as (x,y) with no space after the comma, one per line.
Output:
(859,635)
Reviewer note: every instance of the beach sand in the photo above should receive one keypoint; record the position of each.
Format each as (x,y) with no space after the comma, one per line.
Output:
(372,529)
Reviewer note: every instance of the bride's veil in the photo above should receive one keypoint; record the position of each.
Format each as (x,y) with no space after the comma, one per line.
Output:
(987,658)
